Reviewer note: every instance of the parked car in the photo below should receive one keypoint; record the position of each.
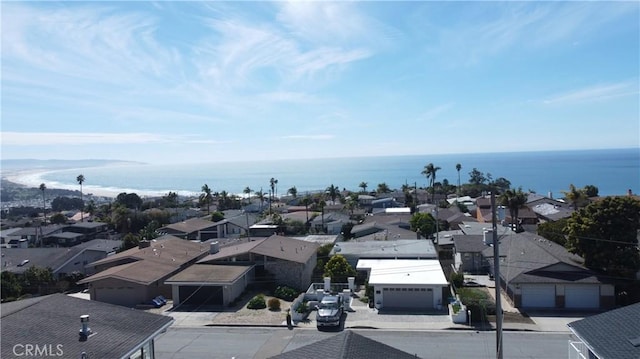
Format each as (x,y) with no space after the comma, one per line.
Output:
(157,303)
(330,311)
(162,299)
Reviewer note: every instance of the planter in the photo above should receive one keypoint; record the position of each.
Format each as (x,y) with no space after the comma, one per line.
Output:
(460,316)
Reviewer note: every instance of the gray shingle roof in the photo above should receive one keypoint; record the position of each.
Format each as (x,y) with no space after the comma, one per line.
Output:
(609,335)
(469,243)
(347,345)
(55,320)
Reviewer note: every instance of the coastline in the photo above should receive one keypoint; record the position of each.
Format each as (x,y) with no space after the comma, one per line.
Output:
(33,178)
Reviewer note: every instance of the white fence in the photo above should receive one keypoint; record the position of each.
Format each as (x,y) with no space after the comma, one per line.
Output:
(578,350)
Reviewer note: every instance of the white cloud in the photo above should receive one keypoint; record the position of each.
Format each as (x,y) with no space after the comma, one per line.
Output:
(308,137)
(594,93)
(71,139)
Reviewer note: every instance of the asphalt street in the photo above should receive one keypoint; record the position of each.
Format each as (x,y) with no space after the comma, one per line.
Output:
(257,343)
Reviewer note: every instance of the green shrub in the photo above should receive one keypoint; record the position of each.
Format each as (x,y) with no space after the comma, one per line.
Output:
(274,304)
(303,307)
(478,301)
(286,293)
(457,279)
(257,302)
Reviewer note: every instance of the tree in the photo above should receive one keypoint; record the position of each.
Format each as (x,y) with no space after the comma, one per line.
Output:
(363,185)
(383,188)
(476,177)
(576,196)
(423,223)
(306,201)
(58,218)
(502,184)
(293,191)
(430,172)
(333,193)
(206,197)
(514,200)
(129,241)
(338,269)
(217,216)
(590,190)
(129,200)
(38,280)
(247,191)
(458,168)
(10,285)
(80,180)
(554,231)
(605,234)
(260,195)
(43,187)
(272,184)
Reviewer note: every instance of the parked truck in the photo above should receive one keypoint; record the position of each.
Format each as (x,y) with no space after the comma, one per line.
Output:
(330,311)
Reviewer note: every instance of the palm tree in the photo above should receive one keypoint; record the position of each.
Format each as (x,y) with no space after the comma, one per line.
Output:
(514,200)
(247,191)
(575,196)
(80,180)
(260,195)
(363,185)
(430,172)
(293,191)
(44,203)
(272,185)
(333,193)
(206,196)
(383,188)
(306,201)
(458,168)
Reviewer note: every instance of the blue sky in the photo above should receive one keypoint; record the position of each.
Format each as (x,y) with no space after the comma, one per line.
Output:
(217,81)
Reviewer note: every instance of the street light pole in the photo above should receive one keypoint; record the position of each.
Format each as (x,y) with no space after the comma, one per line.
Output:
(496,276)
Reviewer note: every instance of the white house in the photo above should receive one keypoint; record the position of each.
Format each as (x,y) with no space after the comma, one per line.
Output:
(415,284)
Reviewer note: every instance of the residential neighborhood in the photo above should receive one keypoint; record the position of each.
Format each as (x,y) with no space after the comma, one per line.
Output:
(426,266)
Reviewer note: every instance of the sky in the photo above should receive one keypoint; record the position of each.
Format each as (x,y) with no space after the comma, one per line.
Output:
(194,82)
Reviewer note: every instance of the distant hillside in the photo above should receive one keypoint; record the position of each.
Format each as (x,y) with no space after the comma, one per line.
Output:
(25,164)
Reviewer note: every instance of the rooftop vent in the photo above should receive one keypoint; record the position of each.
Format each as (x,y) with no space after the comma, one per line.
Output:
(214,247)
(85,331)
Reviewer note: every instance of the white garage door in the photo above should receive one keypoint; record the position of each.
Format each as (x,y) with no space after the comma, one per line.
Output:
(582,296)
(538,296)
(410,298)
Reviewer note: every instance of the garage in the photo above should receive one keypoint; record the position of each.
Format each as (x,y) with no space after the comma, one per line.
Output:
(538,296)
(582,296)
(201,295)
(408,298)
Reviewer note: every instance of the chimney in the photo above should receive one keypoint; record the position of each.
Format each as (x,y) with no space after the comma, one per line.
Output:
(487,236)
(85,332)
(327,284)
(144,244)
(214,247)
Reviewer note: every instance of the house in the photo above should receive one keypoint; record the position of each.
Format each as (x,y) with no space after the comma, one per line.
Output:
(484,212)
(468,253)
(548,209)
(380,231)
(138,274)
(347,344)
(34,235)
(206,284)
(62,326)
(62,261)
(611,335)
(287,260)
(414,284)
(192,229)
(538,273)
(330,223)
(354,251)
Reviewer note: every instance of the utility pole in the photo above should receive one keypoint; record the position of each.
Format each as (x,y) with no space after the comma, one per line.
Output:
(496,276)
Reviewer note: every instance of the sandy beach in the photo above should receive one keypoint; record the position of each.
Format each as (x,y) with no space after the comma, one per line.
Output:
(33,178)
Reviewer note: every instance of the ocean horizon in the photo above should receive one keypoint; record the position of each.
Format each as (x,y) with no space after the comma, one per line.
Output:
(613,171)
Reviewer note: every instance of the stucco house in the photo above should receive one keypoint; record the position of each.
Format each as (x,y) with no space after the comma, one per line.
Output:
(415,284)
(538,273)
(193,229)
(354,251)
(468,253)
(137,275)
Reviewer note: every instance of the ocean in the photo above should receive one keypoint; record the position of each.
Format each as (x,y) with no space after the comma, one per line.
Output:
(613,171)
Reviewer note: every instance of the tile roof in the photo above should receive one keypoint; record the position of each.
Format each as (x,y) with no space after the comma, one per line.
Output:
(55,320)
(286,248)
(346,345)
(209,273)
(610,335)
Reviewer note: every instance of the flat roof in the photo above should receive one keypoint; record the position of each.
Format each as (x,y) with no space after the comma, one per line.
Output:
(209,274)
(403,271)
(422,248)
